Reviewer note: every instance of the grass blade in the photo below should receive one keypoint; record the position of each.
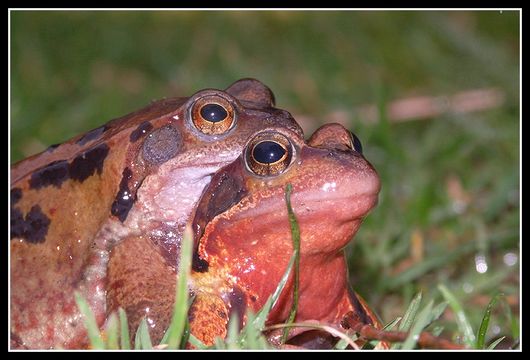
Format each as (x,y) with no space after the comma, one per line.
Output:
(495,343)
(437,330)
(387,327)
(261,315)
(341,345)
(233,332)
(96,342)
(461,318)
(174,333)
(295,235)
(438,310)
(423,319)
(251,337)
(219,344)
(197,343)
(483,329)
(142,340)
(410,314)
(124,330)
(391,324)
(185,337)
(111,330)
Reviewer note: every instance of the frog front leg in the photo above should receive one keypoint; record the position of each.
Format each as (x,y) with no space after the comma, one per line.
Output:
(142,283)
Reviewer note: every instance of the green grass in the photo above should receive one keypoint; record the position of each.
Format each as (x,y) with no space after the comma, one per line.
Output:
(295,233)
(72,71)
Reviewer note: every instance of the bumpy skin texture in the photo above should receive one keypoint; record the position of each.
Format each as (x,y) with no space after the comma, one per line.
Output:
(103,213)
(247,247)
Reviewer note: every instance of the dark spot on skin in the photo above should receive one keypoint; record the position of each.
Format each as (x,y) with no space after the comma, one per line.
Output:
(52,147)
(55,173)
(140,131)
(38,224)
(16,195)
(198,264)
(238,303)
(221,314)
(33,228)
(228,193)
(92,135)
(223,192)
(124,199)
(360,313)
(161,145)
(84,165)
(18,225)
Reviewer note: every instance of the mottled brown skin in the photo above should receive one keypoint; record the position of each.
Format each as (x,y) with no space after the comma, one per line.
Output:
(110,225)
(247,247)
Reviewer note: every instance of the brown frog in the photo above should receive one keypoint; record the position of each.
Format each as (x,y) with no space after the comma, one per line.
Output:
(103,213)
(243,234)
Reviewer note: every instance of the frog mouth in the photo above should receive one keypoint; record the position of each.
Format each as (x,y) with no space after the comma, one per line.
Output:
(341,208)
(317,208)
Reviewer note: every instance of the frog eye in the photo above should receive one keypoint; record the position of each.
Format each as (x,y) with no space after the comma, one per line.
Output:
(269,154)
(213,115)
(356,143)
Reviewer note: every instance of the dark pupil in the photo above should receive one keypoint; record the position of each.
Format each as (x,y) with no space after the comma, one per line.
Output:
(268,152)
(213,112)
(357,146)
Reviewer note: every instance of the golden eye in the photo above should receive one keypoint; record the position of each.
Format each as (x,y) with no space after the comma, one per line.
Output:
(269,154)
(213,115)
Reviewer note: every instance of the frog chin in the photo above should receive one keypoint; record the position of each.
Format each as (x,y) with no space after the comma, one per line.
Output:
(171,197)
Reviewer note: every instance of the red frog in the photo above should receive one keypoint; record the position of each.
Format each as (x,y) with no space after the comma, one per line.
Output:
(243,234)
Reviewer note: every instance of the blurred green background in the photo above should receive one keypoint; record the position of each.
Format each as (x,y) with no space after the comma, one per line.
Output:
(449,206)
